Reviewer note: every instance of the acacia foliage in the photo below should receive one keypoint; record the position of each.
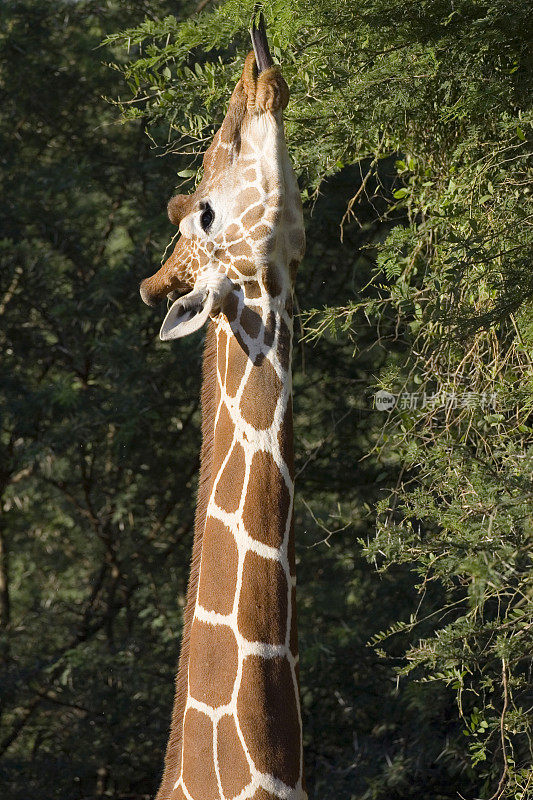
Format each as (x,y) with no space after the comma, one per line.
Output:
(445,91)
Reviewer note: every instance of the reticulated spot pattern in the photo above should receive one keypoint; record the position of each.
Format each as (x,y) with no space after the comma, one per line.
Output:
(243,655)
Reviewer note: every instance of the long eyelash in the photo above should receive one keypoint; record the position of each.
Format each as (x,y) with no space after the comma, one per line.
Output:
(211,213)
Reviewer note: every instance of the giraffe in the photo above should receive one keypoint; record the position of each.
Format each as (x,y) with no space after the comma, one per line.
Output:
(236,724)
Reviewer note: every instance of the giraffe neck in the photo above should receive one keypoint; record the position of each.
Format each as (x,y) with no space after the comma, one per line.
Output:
(238,728)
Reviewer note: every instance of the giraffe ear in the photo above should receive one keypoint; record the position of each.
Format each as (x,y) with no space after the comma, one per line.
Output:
(187,314)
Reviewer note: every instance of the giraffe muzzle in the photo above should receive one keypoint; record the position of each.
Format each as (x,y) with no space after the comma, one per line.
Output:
(149,294)
(171,278)
(160,286)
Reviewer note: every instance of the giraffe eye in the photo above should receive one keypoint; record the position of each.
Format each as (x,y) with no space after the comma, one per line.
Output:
(207,217)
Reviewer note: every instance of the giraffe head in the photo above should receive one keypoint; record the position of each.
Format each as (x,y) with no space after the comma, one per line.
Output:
(243,224)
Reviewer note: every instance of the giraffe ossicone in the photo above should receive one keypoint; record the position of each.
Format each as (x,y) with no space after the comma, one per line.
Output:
(236,730)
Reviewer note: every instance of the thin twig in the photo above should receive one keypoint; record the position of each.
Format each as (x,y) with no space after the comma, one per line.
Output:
(501,785)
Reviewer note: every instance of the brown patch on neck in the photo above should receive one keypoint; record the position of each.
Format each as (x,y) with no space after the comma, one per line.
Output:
(268,716)
(232,763)
(209,401)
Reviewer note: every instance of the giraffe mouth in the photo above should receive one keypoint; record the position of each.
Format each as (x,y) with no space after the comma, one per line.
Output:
(155,289)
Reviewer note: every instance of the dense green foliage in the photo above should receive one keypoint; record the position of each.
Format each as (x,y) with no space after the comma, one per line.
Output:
(409,126)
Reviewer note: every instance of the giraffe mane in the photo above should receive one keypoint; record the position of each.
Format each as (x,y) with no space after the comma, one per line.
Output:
(182,204)
(208,402)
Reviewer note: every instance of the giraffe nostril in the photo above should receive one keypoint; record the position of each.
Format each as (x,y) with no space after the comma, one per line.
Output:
(146,295)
